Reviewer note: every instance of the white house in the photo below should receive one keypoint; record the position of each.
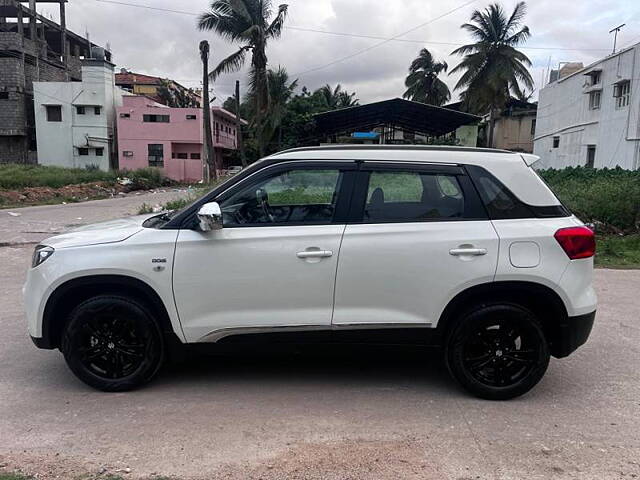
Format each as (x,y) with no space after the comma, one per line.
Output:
(75,121)
(591,117)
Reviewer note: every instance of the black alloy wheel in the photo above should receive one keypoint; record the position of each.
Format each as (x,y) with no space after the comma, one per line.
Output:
(112,343)
(498,352)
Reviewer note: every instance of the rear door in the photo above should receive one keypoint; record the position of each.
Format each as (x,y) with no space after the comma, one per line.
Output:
(418,236)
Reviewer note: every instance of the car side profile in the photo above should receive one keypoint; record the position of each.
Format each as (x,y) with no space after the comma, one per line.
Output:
(463,248)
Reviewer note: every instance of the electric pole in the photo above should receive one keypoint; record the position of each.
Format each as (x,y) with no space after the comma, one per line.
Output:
(209,156)
(615,36)
(240,141)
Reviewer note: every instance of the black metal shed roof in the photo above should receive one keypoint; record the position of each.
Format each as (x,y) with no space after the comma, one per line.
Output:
(405,114)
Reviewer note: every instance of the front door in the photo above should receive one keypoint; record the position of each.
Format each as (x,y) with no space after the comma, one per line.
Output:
(420,235)
(273,265)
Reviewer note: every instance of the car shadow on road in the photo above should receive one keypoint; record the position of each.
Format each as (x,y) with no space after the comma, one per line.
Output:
(363,366)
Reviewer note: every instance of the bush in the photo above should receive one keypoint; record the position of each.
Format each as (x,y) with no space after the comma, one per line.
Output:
(608,197)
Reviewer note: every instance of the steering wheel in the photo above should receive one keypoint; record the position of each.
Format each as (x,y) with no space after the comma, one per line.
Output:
(263,200)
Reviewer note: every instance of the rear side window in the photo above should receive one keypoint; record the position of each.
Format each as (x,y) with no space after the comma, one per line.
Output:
(502,204)
(414,196)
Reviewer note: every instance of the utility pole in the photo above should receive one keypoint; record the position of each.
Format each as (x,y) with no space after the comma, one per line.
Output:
(209,158)
(615,36)
(240,141)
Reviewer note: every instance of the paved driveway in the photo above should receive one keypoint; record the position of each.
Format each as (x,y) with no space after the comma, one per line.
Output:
(383,415)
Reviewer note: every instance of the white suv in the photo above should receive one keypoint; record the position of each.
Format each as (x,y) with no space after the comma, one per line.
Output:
(464,248)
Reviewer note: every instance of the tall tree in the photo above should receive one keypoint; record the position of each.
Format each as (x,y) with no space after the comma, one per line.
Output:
(423,84)
(492,67)
(249,23)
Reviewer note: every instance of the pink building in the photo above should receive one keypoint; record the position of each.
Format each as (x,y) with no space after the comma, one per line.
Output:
(153,135)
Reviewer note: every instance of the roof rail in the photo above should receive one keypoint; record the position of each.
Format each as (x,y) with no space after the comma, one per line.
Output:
(394,147)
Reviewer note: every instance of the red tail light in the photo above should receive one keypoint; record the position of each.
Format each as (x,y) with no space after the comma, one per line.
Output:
(577,242)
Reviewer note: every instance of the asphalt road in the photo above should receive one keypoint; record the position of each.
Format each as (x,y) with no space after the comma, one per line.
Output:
(370,415)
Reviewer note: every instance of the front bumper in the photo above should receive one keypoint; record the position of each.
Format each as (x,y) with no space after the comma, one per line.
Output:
(572,334)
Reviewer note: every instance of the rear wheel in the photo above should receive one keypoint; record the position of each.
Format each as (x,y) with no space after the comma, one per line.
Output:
(498,351)
(112,343)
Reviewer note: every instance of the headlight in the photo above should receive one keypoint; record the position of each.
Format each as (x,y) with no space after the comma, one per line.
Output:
(40,254)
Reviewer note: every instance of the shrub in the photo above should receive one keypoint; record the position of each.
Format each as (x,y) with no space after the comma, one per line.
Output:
(607,197)
(14,176)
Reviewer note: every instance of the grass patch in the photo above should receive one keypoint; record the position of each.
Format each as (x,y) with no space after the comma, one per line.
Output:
(14,476)
(14,177)
(618,251)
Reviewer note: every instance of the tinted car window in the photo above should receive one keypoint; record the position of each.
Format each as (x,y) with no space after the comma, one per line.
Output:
(413,196)
(296,196)
(498,199)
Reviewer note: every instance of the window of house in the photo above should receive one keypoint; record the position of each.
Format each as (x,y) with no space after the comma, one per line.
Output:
(413,196)
(80,110)
(156,154)
(83,152)
(125,115)
(54,113)
(591,156)
(556,142)
(155,118)
(295,196)
(127,153)
(622,93)
(183,155)
(191,117)
(97,110)
(594,100)
(99,152)
(195,156)
(533,126)
(4,95)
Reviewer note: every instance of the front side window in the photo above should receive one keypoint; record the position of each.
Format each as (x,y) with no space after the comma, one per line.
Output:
(295,196)
(401,196)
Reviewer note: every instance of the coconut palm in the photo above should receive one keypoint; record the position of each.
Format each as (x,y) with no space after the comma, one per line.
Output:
(336,98)
(423,84)
(249,23)
(492,67)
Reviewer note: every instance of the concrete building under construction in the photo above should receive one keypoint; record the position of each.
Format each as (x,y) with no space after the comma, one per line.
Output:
(33,48)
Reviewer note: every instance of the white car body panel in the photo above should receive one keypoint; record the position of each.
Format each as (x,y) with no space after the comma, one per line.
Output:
(252,277)
(403,272)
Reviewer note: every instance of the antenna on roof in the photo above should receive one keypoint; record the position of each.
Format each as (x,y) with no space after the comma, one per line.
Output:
(615,37)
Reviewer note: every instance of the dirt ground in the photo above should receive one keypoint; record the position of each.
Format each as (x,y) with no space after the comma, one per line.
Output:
(388,414)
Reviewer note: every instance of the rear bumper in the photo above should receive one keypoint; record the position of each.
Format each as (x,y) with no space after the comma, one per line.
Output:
(572,334)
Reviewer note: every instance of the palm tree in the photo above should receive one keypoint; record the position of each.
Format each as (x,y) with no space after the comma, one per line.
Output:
(423,84)
(281,90)
(247,22)
(336,98)
(492,67)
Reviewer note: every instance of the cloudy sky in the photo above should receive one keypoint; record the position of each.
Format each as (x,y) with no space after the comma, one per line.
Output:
(166,44)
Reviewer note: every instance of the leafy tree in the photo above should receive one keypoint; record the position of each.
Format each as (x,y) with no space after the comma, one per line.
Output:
(423,84)
(249,23)
(492,67)
(176,96)
(335,98)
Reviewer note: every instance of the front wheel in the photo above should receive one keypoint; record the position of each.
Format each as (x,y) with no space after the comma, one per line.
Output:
(497,352)
(112,343)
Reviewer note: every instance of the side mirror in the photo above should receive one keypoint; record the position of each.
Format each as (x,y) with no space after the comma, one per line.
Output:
(210,217)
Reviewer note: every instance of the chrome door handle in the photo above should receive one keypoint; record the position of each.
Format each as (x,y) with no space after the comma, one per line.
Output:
(468,251)
(315,254)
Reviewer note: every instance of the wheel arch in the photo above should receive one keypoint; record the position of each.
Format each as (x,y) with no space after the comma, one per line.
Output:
(72,292)
(545,303)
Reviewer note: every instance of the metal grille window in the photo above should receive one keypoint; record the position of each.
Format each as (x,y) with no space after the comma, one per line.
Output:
(54,113)
(594,100)
(80,110)
(156,155)
(155,118)
(622,92)
(556,142)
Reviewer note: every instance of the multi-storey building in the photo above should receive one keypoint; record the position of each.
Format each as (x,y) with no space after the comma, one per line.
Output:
(162,90)
(153,135)
(32,48)
(591,117)
(75,121)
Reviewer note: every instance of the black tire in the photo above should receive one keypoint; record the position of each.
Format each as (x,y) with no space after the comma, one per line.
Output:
(112,343)
(498,351)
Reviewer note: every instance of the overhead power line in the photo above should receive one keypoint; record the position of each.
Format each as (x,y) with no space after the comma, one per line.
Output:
(356,35)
